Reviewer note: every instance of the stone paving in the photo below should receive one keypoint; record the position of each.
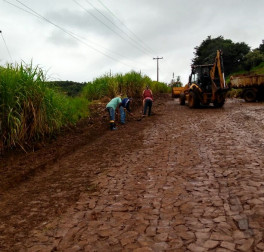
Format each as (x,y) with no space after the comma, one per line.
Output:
(195,183)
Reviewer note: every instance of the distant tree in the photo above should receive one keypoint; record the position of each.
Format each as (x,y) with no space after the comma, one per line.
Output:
(233,53)
(70,88)
(261,47)
(253,58)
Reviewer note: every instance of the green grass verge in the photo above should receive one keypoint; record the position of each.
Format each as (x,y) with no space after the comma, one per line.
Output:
(30,109)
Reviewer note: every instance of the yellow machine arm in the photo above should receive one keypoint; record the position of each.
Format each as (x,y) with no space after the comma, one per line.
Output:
(217,71)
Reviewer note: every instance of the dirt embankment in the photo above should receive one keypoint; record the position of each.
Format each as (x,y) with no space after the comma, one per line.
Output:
(17,166)
(37,185)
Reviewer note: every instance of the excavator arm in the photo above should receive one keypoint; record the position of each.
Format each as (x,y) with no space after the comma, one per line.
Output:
(217,72)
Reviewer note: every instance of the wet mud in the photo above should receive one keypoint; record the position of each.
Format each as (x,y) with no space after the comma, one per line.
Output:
(180,180)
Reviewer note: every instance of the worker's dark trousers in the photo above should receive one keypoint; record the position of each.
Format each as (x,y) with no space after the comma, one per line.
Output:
(148,105)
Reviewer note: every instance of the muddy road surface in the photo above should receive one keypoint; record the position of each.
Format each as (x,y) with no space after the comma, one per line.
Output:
(181,180)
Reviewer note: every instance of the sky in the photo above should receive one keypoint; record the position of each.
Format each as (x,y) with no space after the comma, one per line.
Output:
(80,40)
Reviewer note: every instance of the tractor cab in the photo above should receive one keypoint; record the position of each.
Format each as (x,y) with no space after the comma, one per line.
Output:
(200,76)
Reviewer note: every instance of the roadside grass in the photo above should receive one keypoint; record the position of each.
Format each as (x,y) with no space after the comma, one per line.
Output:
(130,84)
(31,110)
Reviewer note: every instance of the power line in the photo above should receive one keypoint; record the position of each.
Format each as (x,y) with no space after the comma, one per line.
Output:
(142,42)
(109,27)
(21,8)
(65,31)
(6,46)
(132,39)
(40,17)
(106,49)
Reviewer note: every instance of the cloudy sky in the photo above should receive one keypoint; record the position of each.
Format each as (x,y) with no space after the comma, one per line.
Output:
(80,40)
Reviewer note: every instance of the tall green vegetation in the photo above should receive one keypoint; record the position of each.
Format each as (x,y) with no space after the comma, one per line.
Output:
(233,53)
(31,110)
(130,84)
(261,47)
(258,69)
(238,57)
(253,59)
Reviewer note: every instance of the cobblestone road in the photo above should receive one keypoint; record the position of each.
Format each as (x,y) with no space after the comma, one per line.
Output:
(193,182)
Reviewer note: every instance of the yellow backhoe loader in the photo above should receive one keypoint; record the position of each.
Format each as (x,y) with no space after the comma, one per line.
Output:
(206,85)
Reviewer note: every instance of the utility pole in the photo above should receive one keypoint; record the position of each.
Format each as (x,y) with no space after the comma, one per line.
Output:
(158,66)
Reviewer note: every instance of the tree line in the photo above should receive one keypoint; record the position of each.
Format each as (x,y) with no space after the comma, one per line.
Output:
(236,56)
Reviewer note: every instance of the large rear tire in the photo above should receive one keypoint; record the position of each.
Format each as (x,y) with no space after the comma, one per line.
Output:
(193,100)
(182,99)
(219,102)
(250,95)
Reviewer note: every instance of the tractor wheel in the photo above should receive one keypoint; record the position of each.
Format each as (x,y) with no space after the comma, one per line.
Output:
(182,99)
(250,95)
(193,100)
(219,102)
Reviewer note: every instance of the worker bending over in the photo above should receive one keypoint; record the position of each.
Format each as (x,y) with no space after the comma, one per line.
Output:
(125,106)
(111,108)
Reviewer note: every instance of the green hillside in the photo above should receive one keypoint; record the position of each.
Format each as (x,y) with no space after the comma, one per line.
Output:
(258,69)
(70,88)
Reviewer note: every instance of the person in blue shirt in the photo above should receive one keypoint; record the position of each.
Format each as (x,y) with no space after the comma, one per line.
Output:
(125,106)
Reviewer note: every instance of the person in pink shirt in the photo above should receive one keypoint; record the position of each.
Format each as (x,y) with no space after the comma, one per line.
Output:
(147,97)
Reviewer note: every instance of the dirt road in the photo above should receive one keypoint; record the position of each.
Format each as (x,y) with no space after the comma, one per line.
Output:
(182,180)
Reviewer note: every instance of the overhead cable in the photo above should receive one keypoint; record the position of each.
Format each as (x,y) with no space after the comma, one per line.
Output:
(110,28)
(132,39)
(40,17)
(21,8)
(115,16)
(6,46)
(65,31)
